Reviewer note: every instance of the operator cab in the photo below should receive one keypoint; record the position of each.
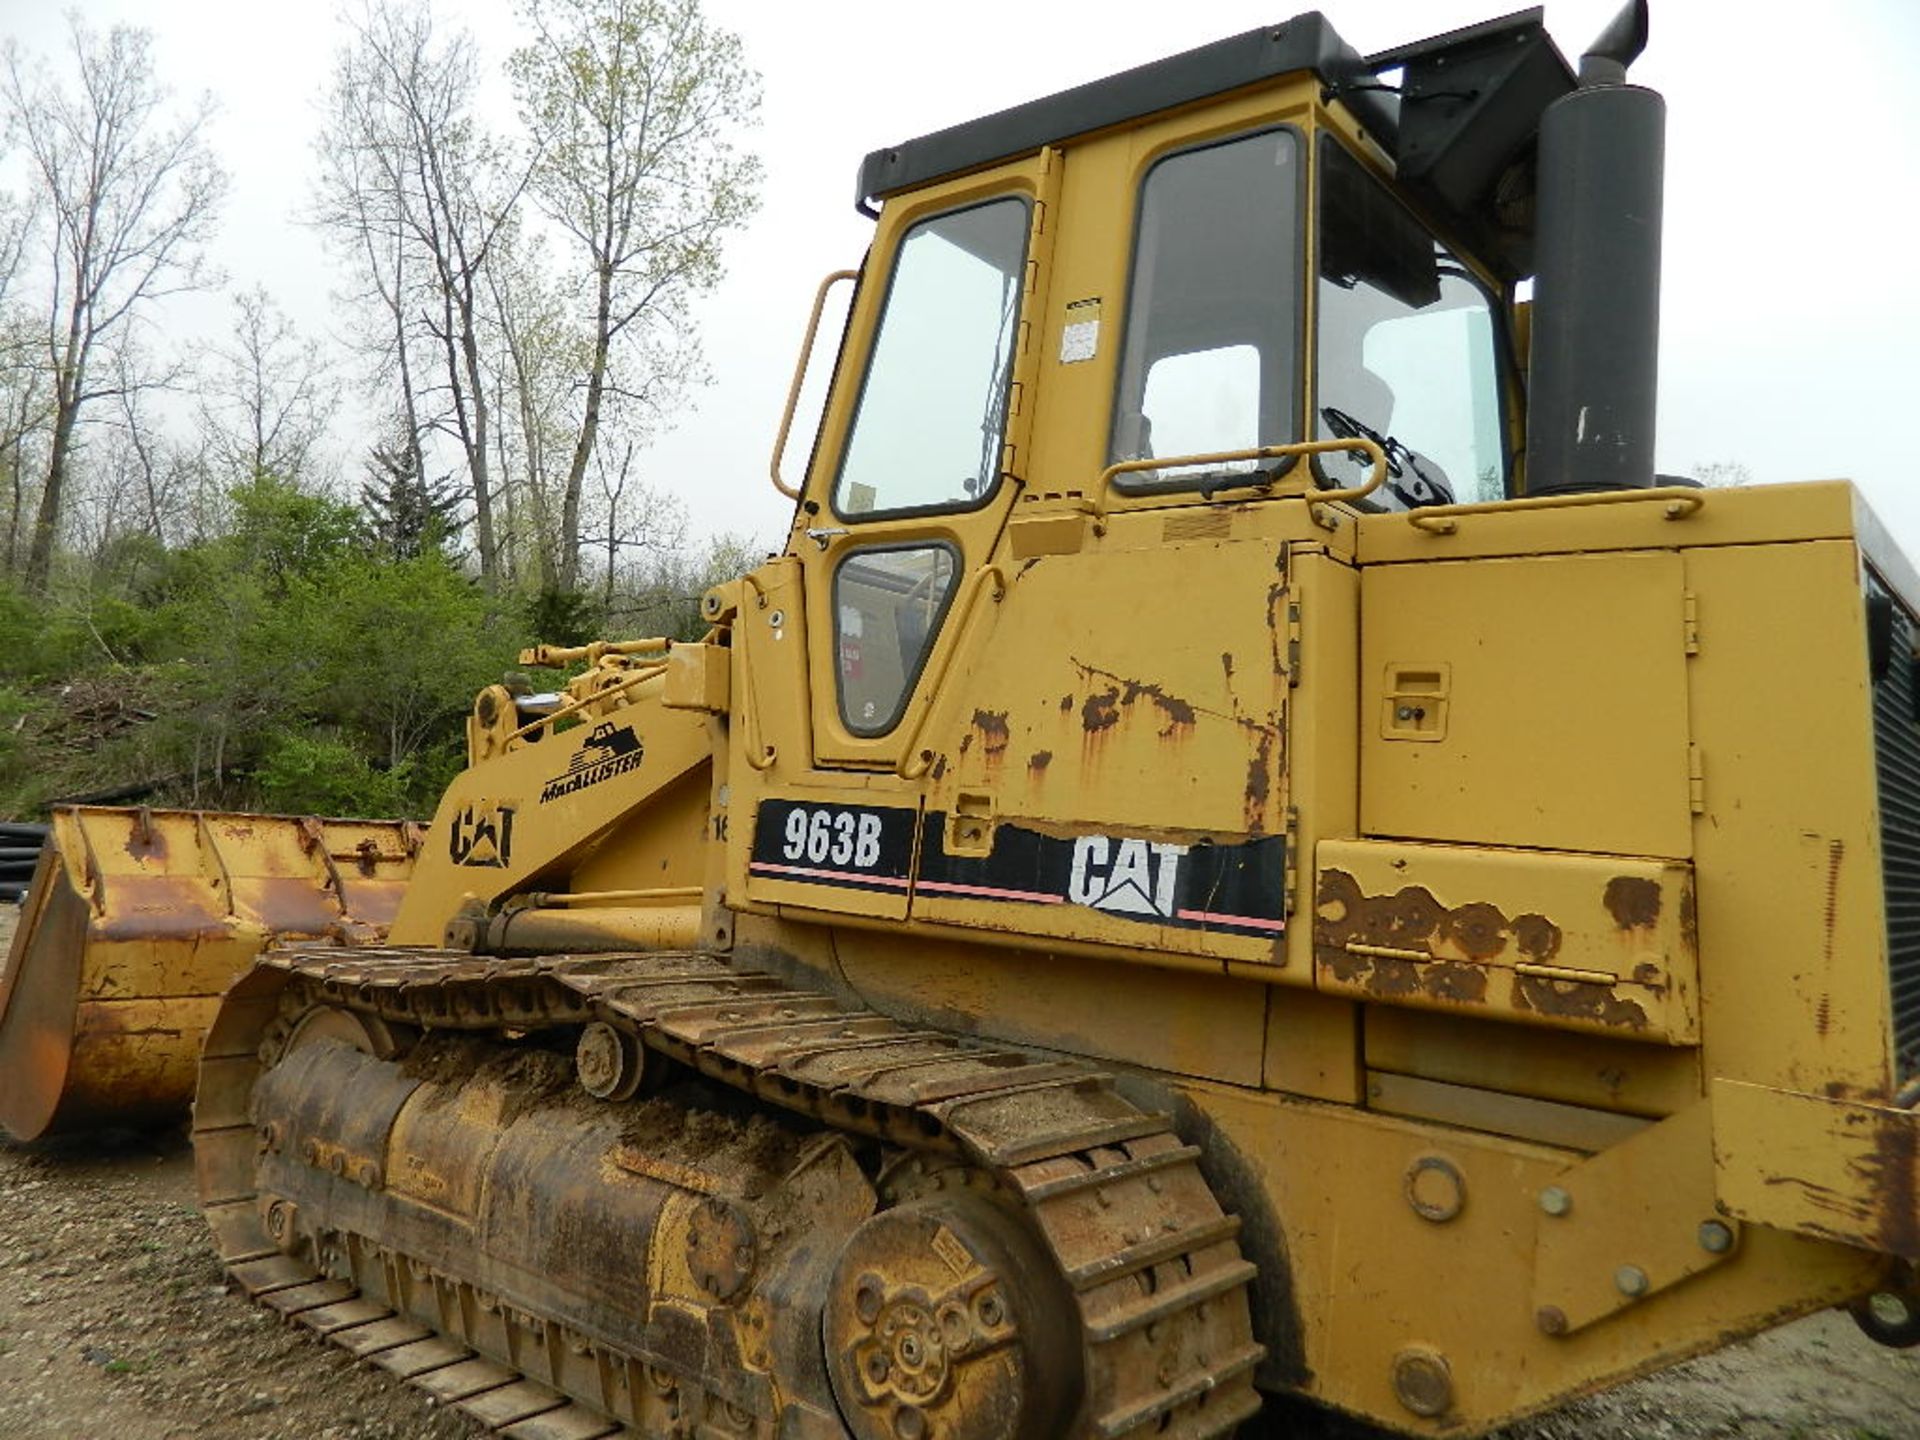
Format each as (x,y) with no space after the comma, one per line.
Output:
(1266,270)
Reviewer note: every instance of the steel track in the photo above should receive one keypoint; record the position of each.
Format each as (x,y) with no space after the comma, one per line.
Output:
(1152,1261)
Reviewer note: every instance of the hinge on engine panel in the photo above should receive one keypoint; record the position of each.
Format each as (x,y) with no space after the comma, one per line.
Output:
(1690,622)
(1290,874)
(1293,640)
(1696,781)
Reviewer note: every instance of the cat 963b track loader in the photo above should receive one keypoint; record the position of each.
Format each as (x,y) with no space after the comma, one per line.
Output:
(1248,844)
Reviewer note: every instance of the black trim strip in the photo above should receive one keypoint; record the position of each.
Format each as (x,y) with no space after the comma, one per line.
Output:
(1306,42)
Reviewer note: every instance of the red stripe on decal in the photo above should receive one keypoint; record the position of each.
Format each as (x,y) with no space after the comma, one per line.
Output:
(808,873)
(1207,917)
(989,892)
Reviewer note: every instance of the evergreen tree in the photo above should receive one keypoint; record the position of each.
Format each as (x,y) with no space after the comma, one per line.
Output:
(408,512)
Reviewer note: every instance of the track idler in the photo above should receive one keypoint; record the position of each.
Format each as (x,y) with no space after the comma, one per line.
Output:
(945,1319)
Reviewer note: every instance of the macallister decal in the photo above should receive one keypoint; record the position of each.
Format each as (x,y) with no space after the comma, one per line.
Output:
(609,750)
(1236,888)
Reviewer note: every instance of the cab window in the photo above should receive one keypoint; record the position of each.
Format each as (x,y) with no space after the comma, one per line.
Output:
(1209,362)
(887,607)
(932,411)
(1405,354)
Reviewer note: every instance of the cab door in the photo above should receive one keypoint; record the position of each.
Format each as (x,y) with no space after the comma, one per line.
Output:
(918,462)
(920,455)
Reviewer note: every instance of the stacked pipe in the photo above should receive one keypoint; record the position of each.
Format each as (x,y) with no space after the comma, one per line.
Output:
(20,846)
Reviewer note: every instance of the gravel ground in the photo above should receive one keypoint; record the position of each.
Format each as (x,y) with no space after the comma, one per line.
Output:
(115,1325)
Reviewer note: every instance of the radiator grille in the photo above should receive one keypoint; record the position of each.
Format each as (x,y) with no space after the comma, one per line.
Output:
(1896,729)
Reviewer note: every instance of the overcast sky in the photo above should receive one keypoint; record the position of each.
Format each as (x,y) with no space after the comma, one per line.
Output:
(1791,340)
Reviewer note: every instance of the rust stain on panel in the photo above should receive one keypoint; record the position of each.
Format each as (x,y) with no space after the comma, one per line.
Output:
(1536,937)
(1101,711)
(1388,977)
(1462,942)
(1478,930)
(1577,1000)
(1038,761)
(1259,783)
(1836,852)
(1892,1167)
(992,725)
(1277,626)
(145,840)
(1404,920)
(1176,713)
(1633,901)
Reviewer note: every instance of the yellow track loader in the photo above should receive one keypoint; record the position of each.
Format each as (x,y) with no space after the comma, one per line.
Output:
(1248,846)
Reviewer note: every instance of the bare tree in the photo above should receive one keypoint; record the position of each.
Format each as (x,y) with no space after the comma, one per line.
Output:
(633,106)
(633,516)
(266,395)
(131,196)
(535,362)
(25,408)
(419,190)
(139,477)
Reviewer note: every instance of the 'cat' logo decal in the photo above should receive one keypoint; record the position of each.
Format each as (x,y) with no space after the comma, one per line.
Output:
(1127,877)
(482,837)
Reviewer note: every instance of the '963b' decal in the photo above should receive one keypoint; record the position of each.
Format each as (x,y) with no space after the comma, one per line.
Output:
(1236,888)
(863,847)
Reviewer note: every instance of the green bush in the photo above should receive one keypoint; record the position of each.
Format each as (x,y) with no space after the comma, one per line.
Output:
(323,775)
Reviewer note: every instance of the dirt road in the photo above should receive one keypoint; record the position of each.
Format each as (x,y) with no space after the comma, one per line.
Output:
(115,1325)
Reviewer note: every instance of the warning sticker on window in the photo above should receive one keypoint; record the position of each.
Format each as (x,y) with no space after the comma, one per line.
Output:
(1080,340)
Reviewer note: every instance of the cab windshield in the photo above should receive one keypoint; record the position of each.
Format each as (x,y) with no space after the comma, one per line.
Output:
(932,412)
(1406,349)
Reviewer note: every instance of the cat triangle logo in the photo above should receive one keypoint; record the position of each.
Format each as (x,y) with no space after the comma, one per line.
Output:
(1127,877)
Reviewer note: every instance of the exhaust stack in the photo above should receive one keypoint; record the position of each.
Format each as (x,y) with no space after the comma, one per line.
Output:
(1596,309)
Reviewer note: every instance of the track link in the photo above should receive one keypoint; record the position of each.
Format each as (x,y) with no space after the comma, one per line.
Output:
(1119,1202)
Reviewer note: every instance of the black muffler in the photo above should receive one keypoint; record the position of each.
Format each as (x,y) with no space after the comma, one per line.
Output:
(1594,366)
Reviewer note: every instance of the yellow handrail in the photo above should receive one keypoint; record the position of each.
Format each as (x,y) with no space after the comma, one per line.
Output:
(555,656)
(759,754)
(912,766)
(658,895)
(800,378)
(1681,501)
(1375,478)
